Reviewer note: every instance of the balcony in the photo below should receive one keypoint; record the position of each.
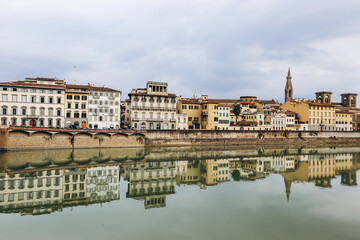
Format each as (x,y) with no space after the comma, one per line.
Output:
(166,100)
(152,100)
(31,116)
(172,120)
(143,99)
(136,99)
(154,108)
(173,100)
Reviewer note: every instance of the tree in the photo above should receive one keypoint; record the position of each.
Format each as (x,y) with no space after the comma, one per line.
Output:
(236,108)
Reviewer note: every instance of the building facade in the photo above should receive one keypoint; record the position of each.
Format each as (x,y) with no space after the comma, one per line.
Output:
(34,102)
(104,108)
(153,107)
(76,106)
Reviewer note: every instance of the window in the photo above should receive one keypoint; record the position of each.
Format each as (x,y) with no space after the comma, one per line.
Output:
(76,115)
(59,100)
(83,97)
(83,106)
(76,105)
(23,98)
(4,97)
(69,97)
(58,112)
(76,97)
(50,100)
(69,105)
(14,98)
(42,99)
(33,99)
(23,111)
(14,111)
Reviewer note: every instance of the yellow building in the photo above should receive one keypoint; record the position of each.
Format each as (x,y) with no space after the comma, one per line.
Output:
(322,167)
(318,116)
(210,115)
(343,121)
(193,109)
(76,105)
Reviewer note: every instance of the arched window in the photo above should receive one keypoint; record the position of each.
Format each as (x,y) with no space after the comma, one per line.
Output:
(50,111)
(42,111)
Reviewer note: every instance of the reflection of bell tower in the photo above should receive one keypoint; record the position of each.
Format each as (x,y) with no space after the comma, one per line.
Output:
(287,187)
(288,88)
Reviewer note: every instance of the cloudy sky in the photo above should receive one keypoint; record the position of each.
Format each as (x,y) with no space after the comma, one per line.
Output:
(225,49)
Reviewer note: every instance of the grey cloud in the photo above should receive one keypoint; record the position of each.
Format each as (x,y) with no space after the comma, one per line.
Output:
(222,48)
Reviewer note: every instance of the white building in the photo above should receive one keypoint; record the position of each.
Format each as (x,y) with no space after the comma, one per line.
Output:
(153,107)
(103,183)
(182,122)
(27,193)
(35,102)
(104,108)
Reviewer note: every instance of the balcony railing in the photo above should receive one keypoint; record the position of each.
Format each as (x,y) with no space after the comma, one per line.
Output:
(154,108)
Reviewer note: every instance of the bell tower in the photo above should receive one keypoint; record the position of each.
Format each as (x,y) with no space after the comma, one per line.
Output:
(288,88)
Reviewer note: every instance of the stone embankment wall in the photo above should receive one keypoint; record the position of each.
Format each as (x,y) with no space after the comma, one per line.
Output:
(205,137)
(21,139)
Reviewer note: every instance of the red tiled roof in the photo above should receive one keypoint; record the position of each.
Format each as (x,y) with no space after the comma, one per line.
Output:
(345,112)
(90,87)
(320,104)
(22,83)
(151,94)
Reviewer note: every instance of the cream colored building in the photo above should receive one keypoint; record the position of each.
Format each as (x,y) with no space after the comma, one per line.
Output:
(182,121)
(77,105)
(153,107)
(34,102)
(74,184)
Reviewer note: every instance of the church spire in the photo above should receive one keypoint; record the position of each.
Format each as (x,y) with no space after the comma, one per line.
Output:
(287,189)
(288,88)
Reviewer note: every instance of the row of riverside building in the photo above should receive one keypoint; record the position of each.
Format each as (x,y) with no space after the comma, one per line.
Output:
(50,102)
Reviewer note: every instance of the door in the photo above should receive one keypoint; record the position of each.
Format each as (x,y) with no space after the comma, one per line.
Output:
(83,124)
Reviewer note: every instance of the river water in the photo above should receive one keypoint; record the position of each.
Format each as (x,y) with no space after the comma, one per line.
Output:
(202,193)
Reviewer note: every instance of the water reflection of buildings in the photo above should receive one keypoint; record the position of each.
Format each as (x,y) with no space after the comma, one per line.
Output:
(102,183)
(26,189)
(204,172)
(151,182)
(320,169)
(39,192)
